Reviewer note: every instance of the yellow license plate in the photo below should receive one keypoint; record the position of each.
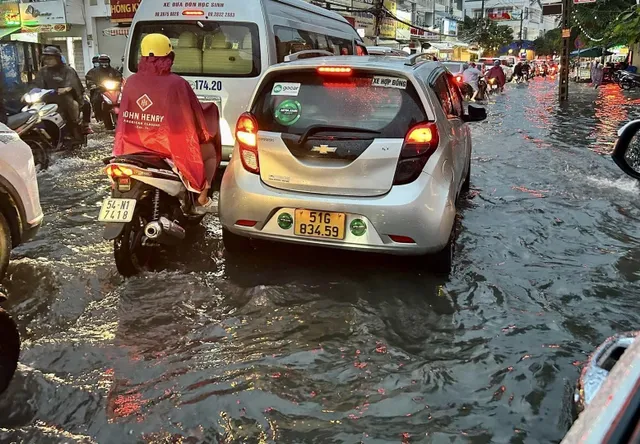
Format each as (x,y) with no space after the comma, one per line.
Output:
(320,224)
(117,210)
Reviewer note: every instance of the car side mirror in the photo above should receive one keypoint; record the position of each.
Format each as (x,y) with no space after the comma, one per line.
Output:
(626,153)
(475,114)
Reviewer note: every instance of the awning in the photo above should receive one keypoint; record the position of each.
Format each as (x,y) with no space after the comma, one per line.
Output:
(590,52)
(115,31)
(8,31)
(442,46)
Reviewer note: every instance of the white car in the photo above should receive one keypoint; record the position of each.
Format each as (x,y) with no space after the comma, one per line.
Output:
(20,211)
(359,153)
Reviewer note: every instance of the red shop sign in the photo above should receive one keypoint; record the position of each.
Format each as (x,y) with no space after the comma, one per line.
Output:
(122,11)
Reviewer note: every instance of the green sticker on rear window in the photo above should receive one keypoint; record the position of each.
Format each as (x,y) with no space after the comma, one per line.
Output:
(288,112)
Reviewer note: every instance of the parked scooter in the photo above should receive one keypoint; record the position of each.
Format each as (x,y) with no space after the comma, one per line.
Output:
(30,127)
(629,81)
(149,208)
(111,96)
(55,125)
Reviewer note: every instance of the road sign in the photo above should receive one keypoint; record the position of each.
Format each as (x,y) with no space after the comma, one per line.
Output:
(578,43)
(566,33)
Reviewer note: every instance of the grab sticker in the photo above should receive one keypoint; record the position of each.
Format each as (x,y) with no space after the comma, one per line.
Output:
(285,89)
(389,82)
(288,112)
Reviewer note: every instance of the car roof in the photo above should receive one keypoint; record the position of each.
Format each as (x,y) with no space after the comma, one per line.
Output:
(388,63)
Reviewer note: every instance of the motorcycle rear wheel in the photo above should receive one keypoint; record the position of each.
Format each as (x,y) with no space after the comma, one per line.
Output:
(41,157)
(109,122)
(131,256)
(627,85)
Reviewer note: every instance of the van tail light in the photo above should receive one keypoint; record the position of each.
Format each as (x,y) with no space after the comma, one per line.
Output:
(247,137)
(335,70)
(419,144)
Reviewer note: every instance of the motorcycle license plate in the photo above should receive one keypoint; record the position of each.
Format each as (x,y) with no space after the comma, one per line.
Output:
(320,224)
(117,210)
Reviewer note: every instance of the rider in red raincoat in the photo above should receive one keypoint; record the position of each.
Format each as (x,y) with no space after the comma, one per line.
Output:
(497,73)
(161,114)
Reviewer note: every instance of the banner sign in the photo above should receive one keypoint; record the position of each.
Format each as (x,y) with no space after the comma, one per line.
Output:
(449,27)
(47,12)
(122,11)
(403,32)
(388,26)
(424,35)
(46,28)
(364,20)
(9,13)
(576,2)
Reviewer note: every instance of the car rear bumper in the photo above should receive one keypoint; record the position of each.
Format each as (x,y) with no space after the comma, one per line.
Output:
(423,211)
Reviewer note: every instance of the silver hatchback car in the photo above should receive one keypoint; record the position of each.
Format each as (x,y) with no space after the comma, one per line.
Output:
(363,153)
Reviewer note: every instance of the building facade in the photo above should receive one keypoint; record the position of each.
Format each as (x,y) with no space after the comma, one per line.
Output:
(523,16)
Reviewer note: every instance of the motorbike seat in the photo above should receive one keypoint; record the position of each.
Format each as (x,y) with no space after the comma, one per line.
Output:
(17,120)
(141,160)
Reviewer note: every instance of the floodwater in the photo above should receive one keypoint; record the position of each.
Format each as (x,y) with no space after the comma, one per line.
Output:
(303,345)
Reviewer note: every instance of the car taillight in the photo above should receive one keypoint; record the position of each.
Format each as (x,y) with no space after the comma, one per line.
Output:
(247,137)
(419,144)
(458,79)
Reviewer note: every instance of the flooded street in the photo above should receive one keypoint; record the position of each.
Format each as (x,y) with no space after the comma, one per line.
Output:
(303,345)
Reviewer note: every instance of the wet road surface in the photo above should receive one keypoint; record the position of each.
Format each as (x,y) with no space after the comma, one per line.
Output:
(304,345)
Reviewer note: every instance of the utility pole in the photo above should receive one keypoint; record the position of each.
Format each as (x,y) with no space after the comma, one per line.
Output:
(564,59)
(378,13)
(520,33)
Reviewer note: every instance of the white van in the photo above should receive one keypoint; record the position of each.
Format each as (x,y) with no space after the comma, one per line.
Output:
(222,48)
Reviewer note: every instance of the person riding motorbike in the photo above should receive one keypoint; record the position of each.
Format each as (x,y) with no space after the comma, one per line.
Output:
(526,70)
(58,76)
(517,72)
(470,75)
(160,114)
(496,72)
(95,77)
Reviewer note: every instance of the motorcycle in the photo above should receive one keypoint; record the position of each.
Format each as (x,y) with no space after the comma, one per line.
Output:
(110,103)
(29,125)
(149,209)
(630,81)
(54,124)
(492,87)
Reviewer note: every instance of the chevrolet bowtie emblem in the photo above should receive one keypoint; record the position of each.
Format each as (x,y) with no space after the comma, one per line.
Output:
(324,149)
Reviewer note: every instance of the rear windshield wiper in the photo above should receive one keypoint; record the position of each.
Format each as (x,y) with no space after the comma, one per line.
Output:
(314,129)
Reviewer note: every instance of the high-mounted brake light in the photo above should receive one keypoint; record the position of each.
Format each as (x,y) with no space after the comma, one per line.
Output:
(419,144)
(335,70)
(247,137)
(192,12)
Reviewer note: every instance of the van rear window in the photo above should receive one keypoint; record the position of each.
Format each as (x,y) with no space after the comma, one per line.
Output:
(292,102)
(218,49)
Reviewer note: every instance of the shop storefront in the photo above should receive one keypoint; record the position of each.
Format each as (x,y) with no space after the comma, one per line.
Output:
(57,22)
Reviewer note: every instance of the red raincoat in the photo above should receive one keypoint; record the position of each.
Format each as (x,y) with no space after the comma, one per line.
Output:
(160,113)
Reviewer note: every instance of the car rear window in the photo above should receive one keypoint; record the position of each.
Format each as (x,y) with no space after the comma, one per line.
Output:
(453,67)
(205,48)
(292,102)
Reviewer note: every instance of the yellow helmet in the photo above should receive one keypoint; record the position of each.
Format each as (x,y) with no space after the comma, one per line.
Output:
(156,45)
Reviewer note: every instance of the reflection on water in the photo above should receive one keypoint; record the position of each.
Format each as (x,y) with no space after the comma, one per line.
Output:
(304,345)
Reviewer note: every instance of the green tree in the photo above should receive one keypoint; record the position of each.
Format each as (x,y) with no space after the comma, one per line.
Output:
(486,33)
(551,42)
(607,22)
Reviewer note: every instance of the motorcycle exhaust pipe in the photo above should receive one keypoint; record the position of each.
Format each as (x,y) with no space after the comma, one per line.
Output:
(165,232)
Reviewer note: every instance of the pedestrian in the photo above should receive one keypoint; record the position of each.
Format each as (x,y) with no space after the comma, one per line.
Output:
(597,73)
